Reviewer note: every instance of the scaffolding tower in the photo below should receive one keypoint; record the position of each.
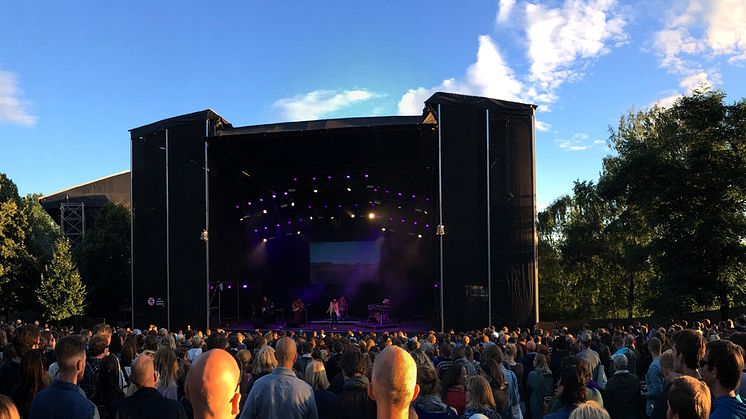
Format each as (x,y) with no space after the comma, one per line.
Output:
(72,220)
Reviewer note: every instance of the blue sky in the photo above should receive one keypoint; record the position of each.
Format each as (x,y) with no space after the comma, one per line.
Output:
(75,76)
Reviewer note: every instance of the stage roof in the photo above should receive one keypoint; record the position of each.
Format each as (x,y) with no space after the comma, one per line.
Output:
(113,188)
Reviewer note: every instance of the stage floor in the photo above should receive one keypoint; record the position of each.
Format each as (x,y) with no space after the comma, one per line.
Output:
(409,326)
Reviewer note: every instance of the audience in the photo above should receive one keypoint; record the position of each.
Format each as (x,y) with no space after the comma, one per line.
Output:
(64,399)
(688,398)
(146,402)
(280,394)
(8,409)
(213,385)
(106,372)
(393,383)
(721,369)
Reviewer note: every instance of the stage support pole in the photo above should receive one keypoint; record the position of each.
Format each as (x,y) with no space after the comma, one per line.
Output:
(207,225)
(533,222)
(440,215)
(168,249)
(489,242)
(132,242)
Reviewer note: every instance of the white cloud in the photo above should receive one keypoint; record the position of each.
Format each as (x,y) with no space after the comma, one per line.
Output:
(561,42)
(319,103)
(579,142)
(699,30)
(506,6)
(13,109)
(542,126)
(489,76)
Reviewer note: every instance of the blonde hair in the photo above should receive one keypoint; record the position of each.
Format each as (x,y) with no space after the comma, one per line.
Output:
(510,350)
(589,410)
(316,375)
(668,360)
(163,362)
(265,361)
(480,393)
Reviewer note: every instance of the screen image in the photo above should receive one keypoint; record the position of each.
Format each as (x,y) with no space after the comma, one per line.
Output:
(344,262)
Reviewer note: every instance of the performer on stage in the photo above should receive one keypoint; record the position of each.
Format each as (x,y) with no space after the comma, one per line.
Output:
(267,307)
(343,308)
(298,307)
(333,312)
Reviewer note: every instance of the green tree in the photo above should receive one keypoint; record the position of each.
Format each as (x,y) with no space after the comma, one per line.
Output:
(61,292)
(8,189)
(682,171)
(103,258)
(14,259)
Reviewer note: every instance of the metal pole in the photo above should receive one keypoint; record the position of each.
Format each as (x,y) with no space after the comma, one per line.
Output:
(440,215)
(207,224)
(168,249)
(132,241)
(533,221)
(489,242)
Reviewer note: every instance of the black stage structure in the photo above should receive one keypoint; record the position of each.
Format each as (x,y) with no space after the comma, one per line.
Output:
(440,207)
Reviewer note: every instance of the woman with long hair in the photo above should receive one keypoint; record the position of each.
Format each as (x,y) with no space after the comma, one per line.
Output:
(33,380)
(315,376)
(453,391)
(539,384)
(166,365)
(571,391)
(107,389)
(479,399)
(8,410)
(428,402)
(492,372)
(264,363)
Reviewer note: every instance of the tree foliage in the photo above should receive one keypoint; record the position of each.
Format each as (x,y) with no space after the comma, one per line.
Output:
(61,292)
(664,229)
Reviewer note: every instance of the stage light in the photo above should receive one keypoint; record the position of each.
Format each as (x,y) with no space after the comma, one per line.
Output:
(264,211)
(383,228)
(413,196)
(365,176)
(249,203)
(419,236)
(295,179)
(415,223)
(245,286)
(285,193)
(264,240)
(348,176)
(292,204)
(274,196)
(265,227)
(329,177)
(237,207)
(229,286)
(315,191)
(298,233)
(261,199)
(310,218)
(371,215)
(349,189)
(402,220)
(256,230)
(290,222)
(332,218)
(398,193)
(278,225)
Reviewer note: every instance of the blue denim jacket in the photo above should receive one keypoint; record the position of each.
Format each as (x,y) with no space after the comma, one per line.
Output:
(280,395)
(62,400)
(654,381)
(514,408)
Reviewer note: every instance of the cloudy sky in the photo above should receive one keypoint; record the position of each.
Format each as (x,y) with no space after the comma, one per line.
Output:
(75,76)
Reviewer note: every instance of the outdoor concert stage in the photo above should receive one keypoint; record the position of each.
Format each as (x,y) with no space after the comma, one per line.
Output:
(434,213)
(408,326)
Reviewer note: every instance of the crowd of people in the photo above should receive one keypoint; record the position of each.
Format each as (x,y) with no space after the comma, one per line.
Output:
(678,371)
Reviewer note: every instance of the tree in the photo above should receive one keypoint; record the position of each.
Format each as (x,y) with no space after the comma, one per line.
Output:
(8,189)
(103,258)
(682,171)
(14,259)
(61,292)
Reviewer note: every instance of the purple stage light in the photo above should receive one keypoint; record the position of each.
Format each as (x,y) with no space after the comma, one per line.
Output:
(266,228)
(402,220)
(348,176)
(326,206)
(237,207)
(375,189)
(274,196)
(313,178)
(290,222)
(414,196)
(285,193)
(245,286)
(309,207)
(339,206)
(391,219)
(249,203)
(427,199)
(277,225)
(329,177)
(295,179)
(256,230)
(415,223)
(427,225)
(261,199)
(387,191)
(229,286)
(398,193)
(365,176)
(212,287)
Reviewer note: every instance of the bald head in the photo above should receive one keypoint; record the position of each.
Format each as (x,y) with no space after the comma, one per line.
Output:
(286,352)
(212,385)
(394,381)
(143,372)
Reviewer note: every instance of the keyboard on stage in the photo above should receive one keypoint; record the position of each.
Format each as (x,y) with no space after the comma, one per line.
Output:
(379,313)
